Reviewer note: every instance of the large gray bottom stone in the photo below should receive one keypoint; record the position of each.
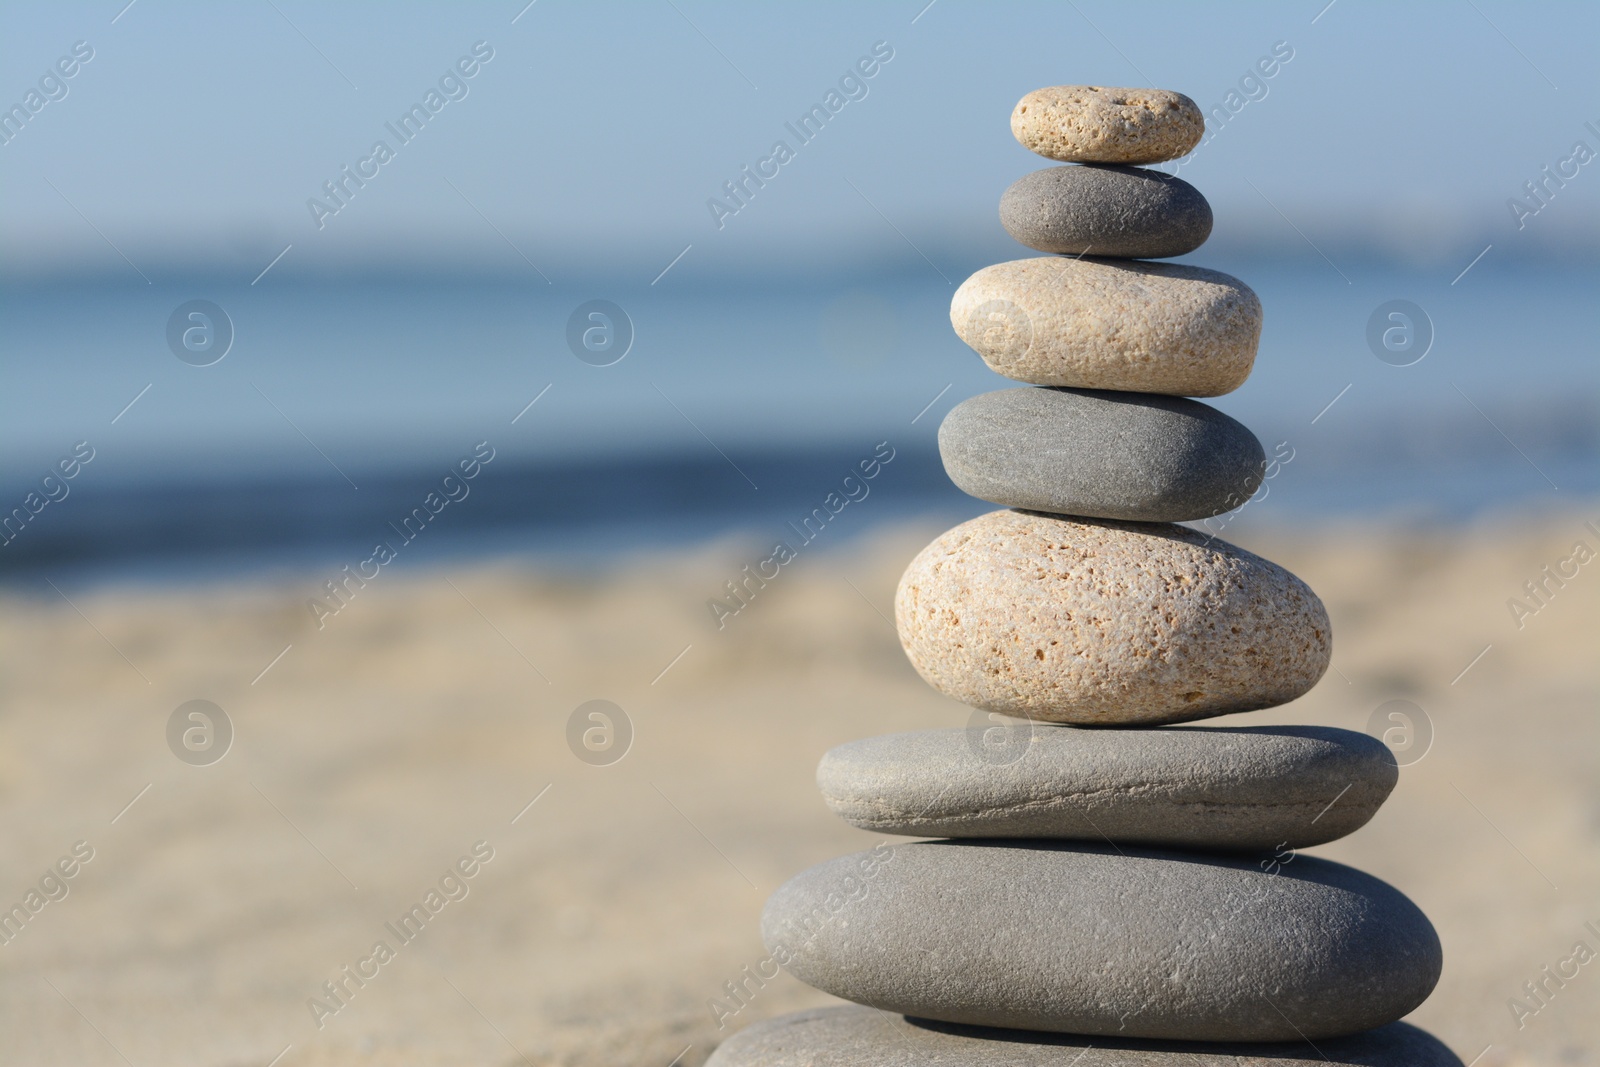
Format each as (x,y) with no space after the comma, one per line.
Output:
(1241,788)
(1107,940)
(866,1037)
(1125,212)
(1101,455)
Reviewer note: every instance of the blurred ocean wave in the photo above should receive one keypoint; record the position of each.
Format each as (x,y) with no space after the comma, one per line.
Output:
(778,380)
(584,512)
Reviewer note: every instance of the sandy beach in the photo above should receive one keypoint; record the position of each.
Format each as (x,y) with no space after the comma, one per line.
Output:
(422,734)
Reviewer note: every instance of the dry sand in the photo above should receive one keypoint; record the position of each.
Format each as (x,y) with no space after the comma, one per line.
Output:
(431,710)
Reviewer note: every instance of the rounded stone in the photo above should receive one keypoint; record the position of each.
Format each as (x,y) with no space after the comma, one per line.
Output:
(1097,939)
(1092,324)
(1085,209)
(1105,455)
(1240,788)
(854,1036)
(1104,623)
(1094,124)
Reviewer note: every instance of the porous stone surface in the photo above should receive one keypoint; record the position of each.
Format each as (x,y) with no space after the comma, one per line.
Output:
(1097,622)
(1114,940)
(1096,124)
(854,1036)
(1093,324)
(1105,455)
(1084,209)
(1237,788)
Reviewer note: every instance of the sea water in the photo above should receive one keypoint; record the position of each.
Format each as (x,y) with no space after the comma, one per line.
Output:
(730,403)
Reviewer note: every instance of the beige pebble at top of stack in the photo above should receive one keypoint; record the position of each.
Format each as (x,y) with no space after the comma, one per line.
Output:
(1094,124)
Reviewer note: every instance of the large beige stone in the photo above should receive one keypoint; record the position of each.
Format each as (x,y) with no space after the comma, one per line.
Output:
(1093,124)
(1102,623)
(1099,324)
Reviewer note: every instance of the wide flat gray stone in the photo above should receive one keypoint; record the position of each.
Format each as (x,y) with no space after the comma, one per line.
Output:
(1107,940)
(1139,457)
(1126,212)
(1235,788)
(854,1036)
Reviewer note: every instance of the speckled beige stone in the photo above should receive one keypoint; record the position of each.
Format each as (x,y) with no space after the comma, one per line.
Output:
(1092,124)
(1103,324)
(1103,623)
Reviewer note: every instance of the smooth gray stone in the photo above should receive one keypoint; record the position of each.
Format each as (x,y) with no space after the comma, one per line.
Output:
(1106,940)
(854,1036)
(1125,212)
(1138,457)
(1232,788)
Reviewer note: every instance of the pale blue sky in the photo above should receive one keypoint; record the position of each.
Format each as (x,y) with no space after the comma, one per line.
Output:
(585,150)
(596,134)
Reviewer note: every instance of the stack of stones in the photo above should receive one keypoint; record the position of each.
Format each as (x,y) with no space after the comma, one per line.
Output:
(1107,880)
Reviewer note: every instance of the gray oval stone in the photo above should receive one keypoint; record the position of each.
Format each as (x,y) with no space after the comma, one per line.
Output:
(1241,788)
(1096,939)
(1126,212)
(1102,455)
(853,1036)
